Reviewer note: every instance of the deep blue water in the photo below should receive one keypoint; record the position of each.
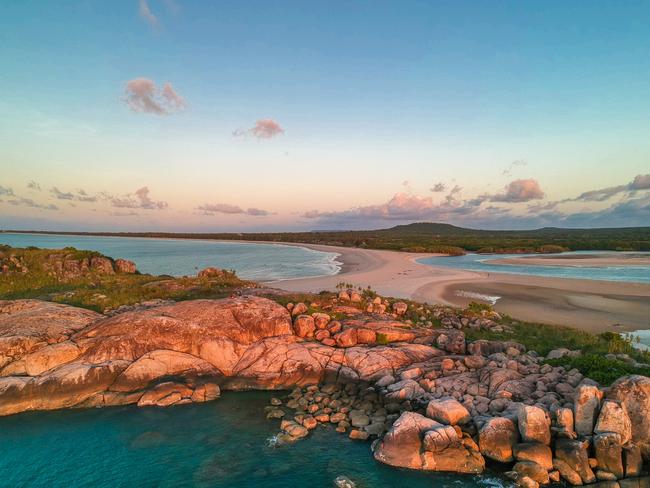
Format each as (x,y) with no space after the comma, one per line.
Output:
(217,444)
(479,262)
(177,257)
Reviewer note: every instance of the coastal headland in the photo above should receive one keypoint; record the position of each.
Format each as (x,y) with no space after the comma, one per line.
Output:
(595,306)
(436,388)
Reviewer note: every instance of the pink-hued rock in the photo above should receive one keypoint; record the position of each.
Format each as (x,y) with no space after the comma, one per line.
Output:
(322,334)
(101,265)
(634,394)
(366,336)
(403,446)
(80,358)
(125,266)
(448,411)
(28,325)
(400,308)
(346,338)
(321,320)
(303,326)
(497,437)
(207,272)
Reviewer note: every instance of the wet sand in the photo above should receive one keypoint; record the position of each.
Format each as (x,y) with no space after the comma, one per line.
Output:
(595,306)
(579,261)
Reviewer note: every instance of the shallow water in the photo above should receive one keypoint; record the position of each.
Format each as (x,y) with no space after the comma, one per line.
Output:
(479,262)
(217,444)
(177,257)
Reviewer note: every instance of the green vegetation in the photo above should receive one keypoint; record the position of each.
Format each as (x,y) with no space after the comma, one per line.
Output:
(28,273)
(543,338)
(599,368)
(444,238)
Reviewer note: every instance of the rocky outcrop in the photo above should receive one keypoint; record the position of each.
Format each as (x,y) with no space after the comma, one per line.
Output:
(56,356)
(67,267)
(429,404)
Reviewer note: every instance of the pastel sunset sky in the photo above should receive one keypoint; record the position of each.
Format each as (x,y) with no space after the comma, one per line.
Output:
(183,115)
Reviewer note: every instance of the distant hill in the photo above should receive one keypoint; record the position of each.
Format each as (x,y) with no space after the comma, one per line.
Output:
(444,238)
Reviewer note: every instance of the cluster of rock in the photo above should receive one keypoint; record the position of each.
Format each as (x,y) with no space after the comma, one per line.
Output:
(432,400)
(484,320)
(507,407)
(351,408)
(10,263)
(424,316)
(67,267)
(350,332)
(372,304)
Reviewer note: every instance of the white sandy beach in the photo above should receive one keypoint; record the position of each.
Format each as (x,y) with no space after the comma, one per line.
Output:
(596,306)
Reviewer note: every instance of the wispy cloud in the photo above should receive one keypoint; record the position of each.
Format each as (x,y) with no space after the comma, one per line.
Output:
(80,195)
(226,208)
(139,199)
(4,190)
(142,95)
(263,129)
(33,185)
(28,202)
(145,12)
(510,168)
(640,182)
(438,187)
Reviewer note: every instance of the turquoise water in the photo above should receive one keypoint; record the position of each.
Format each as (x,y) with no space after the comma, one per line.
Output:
(478,262)
(217,444)
(178,257)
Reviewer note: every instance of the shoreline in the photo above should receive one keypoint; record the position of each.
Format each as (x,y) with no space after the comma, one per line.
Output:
(591,305)
(594,306)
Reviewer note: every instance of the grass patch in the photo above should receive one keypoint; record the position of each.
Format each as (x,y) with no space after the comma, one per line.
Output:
(599,368)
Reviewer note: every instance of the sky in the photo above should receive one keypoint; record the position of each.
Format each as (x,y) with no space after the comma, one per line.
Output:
(180,115)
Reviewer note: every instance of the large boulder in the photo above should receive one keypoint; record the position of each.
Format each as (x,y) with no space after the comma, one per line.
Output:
(303,326)
(448,411)
(614,418)
(496,438)
(404,390)
(402,444)
(609,453)
(125,266)
(574,453)
(585,408)
(534,424)
(535,452)
(634,394)
(409,444)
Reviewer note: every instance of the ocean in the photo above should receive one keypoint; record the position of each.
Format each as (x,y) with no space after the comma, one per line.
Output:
(225,443)
(179,257)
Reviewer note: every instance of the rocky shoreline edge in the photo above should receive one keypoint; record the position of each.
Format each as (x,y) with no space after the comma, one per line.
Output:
(429,399)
